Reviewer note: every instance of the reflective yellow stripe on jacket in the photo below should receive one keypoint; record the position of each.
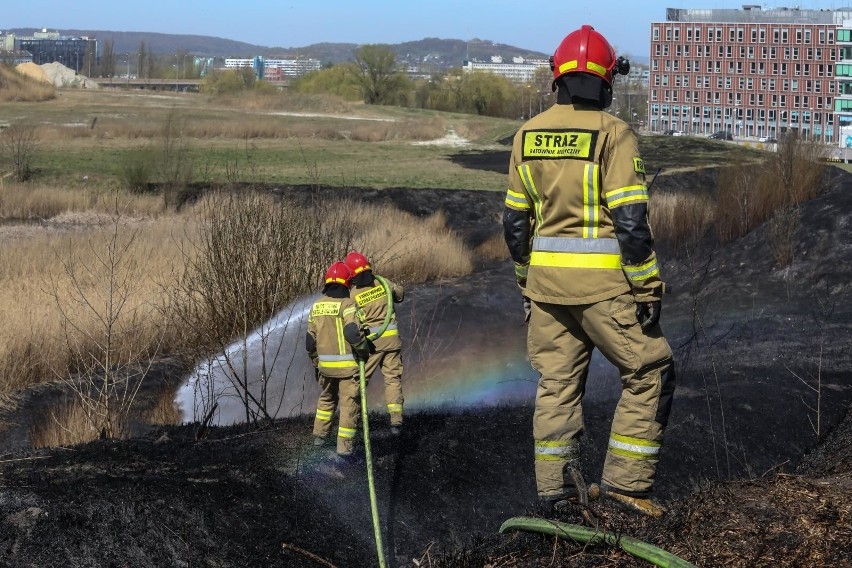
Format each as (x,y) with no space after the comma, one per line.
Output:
(516,200)
(572,252)
(526,178)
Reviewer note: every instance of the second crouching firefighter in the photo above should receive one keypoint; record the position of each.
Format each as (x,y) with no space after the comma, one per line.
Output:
(335,341)
(371,297)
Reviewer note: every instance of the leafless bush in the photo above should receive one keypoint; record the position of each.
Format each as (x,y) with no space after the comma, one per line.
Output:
(18,146)
(173,161)
(781,234)
(252,257)
(137,170)
(749,195)
(101,318)
(740,205)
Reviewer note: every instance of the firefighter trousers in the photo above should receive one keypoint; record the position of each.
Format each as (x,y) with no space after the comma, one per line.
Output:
(560,341)
(391,364)
(345,393)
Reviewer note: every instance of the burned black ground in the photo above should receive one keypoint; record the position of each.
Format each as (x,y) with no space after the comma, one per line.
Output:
(747,477)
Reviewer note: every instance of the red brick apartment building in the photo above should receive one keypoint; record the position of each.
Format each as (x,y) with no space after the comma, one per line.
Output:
(752,72)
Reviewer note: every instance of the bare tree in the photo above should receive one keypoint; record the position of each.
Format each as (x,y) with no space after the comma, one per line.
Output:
(95,296)
(18,145)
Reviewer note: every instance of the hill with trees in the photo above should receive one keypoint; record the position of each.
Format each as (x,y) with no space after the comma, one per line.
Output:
(440,53)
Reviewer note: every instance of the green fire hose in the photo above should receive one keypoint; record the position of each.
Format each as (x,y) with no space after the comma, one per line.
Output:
(374,508)
(655,555)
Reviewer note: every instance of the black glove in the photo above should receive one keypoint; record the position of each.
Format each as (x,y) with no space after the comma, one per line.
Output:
(648,313)
(362,350)
(527,309)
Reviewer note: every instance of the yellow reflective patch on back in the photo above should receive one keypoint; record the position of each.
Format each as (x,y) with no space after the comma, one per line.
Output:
(325,309)
(638,165)
(370,295)
(559,144)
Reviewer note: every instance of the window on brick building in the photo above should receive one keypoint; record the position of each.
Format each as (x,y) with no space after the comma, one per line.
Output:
(798,36)
(677,34)
(656,33)
(807,36)
(762,32)
(785,35)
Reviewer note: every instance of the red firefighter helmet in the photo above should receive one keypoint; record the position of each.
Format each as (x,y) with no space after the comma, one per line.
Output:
(584,51)
(357,263)
(338,273)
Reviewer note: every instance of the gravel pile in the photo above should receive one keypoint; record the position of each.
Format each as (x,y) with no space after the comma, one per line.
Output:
(57,74)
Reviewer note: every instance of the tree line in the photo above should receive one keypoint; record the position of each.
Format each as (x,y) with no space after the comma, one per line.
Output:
(376,77)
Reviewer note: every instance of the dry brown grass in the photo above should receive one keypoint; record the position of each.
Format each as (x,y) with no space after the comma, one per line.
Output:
(62,425)
(254,127)
(493,248)
(33,281)
(16,87)
(285,101)
(32,201)
(408,249)
(680,217)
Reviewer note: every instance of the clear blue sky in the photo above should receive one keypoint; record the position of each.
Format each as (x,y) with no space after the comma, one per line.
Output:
(536,25)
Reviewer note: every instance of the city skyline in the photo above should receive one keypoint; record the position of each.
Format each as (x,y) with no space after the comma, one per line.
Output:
(625,23)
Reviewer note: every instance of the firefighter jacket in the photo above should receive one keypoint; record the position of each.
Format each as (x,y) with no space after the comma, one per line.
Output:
(334,326)
(373,301)
(576,216)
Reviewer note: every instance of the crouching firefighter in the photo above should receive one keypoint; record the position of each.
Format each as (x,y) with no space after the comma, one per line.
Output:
(336,342)
(576,225)
(372,298)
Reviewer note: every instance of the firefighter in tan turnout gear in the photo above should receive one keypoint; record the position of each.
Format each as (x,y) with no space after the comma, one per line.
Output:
(576,225)
(335,341)
(371,297)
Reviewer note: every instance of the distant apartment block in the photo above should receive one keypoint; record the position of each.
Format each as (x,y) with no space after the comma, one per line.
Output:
(283,68)
(47,47)
(520,70)
(752,72)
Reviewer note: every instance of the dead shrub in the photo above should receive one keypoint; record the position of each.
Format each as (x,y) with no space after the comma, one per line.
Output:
(18,146)
(251,257)
(104,310)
